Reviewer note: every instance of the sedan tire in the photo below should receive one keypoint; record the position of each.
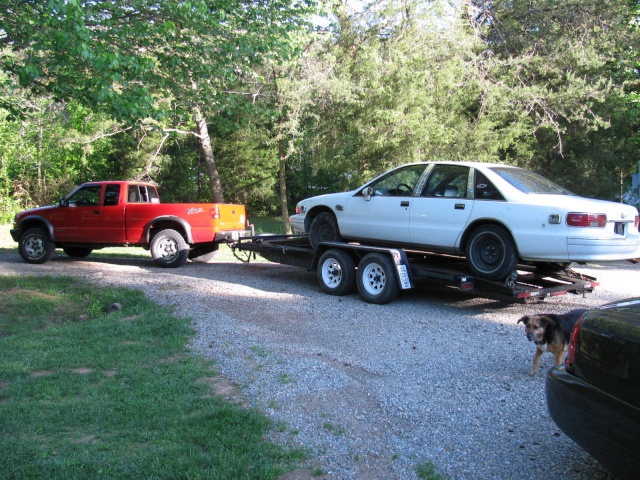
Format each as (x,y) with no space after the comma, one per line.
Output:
(324,228)
(491,253)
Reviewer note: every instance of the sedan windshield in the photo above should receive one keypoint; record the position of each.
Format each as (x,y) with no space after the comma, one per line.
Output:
(530,182)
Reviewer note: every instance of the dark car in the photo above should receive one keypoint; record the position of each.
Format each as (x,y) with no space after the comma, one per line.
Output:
(595,396)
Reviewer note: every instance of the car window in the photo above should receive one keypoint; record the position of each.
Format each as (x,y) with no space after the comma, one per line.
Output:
(483,189)
(111,195)
(399,183)
(86,196)
(448,181)
(142,193)
(529,182)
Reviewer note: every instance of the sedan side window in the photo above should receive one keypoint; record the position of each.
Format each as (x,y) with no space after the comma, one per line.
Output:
(400,182)
(447,181)
(485,190)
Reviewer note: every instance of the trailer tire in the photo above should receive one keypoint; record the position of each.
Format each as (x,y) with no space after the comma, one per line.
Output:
(324,228)
(35,246)
(376,279)
(336,272)
(491,253)
(169,249)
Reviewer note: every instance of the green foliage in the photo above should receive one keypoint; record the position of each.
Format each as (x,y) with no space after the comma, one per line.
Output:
(87,394)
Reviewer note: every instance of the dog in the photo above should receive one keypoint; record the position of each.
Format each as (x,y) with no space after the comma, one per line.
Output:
(550,333)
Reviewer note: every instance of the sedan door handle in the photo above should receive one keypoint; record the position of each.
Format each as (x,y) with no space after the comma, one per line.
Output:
(459,206)
(404,203)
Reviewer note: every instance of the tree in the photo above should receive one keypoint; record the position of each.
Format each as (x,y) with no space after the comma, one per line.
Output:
(147,59)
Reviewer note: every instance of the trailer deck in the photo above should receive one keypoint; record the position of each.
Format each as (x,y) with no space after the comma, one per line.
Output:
(525,285)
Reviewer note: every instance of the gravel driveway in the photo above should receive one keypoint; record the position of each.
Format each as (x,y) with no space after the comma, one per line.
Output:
(373,392)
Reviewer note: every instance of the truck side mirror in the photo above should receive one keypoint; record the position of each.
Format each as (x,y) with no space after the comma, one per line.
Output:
(63,202)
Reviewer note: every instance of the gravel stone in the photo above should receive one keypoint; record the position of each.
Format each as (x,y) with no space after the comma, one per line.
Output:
(372,391)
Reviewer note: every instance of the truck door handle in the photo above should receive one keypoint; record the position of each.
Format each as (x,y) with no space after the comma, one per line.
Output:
(96,212)
(459,206)
(404,203)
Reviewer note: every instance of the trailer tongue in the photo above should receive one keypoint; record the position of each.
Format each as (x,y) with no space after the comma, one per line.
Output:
(380,273)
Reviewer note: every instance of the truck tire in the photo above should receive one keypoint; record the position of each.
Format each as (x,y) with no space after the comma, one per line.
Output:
(491,253)
(336,272)
(169,249)
(35,246)
(324,228)
(376,279)
(77,252)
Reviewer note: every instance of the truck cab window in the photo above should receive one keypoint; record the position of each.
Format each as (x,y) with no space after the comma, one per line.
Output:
(111,195)
(88,196)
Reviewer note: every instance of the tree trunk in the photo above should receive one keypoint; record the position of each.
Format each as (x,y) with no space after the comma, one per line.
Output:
(209,158)
(284,206)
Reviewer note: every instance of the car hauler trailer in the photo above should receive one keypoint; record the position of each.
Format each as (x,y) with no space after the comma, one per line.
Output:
(380,273)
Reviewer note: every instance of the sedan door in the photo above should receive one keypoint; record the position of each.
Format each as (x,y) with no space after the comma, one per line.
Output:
(380,211)
(441,211)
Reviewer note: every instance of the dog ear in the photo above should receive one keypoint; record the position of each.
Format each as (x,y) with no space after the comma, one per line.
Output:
(524,320)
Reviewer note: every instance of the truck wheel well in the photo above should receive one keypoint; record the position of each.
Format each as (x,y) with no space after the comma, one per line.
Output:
(159,226)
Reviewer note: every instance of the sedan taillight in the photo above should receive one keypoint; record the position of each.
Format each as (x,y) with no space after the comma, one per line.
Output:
(586,220)
(569,362)
(637,221)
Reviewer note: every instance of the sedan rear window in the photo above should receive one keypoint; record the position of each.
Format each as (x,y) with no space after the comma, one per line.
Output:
(530,182)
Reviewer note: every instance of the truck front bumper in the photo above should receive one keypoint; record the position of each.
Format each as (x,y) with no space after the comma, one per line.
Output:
(15,234)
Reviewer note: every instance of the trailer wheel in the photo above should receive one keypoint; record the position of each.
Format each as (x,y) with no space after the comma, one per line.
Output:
(376,279)
(491,253)
(336,272)
(324,228)
(77,252)
(35,246)
(169,249)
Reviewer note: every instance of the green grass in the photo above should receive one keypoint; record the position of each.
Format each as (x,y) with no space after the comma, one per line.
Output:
(85,394)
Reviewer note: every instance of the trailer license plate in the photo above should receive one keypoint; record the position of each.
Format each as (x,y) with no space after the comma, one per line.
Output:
(405,281)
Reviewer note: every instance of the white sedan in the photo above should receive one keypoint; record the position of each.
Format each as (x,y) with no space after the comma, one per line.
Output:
(495,215)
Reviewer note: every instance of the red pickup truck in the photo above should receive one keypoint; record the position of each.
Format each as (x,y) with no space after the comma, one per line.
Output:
(103,214)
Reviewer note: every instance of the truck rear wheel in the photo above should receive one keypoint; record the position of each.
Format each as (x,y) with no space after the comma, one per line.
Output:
(169,249)
(35,246)
(336,272)
(376,279)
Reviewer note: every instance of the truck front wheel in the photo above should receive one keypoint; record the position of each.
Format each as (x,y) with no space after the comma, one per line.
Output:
(35,246)
(336,272)
(169,249)
(376,279)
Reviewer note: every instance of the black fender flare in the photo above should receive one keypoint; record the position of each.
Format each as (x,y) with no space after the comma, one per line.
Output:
(186,227)
(37,221)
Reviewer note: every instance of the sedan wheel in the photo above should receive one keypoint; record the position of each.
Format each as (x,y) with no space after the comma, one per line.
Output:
(324,228)
(491,253)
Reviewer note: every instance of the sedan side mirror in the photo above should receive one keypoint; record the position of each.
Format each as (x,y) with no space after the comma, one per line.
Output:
(368,193)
